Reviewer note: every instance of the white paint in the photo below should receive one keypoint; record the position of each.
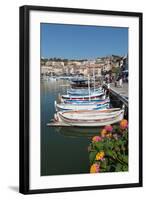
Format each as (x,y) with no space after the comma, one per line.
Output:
(40,182)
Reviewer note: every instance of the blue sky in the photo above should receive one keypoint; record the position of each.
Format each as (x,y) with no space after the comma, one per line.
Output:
(82,42)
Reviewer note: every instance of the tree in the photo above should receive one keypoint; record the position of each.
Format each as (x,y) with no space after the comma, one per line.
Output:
(116,70)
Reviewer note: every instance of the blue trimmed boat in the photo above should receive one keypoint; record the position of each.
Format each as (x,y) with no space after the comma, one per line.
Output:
(81,106)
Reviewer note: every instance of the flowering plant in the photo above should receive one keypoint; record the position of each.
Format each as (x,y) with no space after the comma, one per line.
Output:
(108,152)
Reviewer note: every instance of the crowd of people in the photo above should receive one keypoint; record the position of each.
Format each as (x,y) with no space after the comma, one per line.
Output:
(117,80)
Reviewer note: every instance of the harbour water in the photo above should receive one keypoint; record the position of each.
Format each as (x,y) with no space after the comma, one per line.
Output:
(64,150)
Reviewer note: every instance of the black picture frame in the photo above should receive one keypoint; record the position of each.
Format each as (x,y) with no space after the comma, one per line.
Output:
(25,105)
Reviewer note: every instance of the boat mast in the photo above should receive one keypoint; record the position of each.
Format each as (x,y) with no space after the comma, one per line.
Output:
(94,77)
(89,87)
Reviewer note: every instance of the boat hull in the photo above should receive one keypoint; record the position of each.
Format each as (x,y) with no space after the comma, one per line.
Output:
(90,118)
(96,106)
(83,92)
(92,97)
(97,101)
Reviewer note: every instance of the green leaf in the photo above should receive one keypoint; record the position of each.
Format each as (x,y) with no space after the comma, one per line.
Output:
(108,168)
(125,168)
(125,159)
(92,156)
(103,164)
(102,170)
(109,153)
(99,146)
(118,167)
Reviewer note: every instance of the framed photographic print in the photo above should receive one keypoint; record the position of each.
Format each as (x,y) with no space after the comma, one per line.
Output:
(80,99)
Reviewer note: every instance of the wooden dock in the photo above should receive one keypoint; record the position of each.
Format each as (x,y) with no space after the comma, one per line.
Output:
(120,92)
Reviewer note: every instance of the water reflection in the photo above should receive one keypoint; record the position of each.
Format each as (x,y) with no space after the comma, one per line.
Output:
(78,132)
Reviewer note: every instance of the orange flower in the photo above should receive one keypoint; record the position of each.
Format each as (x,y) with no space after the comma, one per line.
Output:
(94,168)
(100,155)
(103,132)
(123,124)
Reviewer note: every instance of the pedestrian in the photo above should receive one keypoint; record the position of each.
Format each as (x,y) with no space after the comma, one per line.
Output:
(121,82)
(115,83)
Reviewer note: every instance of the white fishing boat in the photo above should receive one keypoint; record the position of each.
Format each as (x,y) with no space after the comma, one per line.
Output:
(90,118)
(83,106)
(94,101)
(94,95)
(83,91)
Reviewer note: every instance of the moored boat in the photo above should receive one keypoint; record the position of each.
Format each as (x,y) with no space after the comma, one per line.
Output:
(93,101)
(90,118)
(81,106)
(80,83)
(83,91)
(95,95)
